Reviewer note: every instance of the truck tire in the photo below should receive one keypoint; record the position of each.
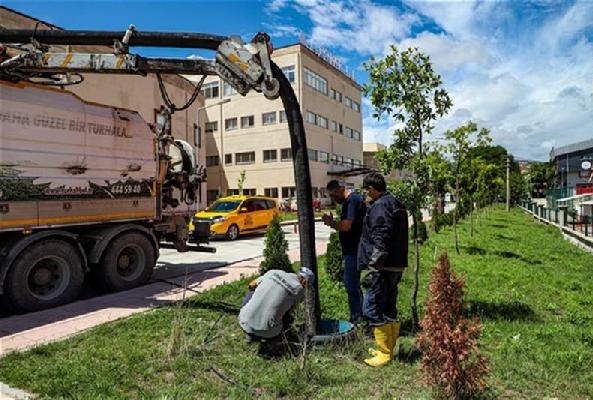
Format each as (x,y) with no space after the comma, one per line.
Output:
(233,232)
(128,262)
(46,274)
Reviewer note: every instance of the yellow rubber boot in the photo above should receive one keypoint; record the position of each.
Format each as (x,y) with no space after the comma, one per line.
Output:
(373,352)
(395,326)
(384,351)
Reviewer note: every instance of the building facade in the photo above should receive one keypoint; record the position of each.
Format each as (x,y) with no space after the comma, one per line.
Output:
(250,133)
(574,168)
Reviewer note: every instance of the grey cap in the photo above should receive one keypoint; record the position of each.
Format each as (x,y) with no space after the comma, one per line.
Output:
(306,273)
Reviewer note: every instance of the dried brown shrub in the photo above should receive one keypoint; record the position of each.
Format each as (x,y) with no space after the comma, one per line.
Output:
(452,363)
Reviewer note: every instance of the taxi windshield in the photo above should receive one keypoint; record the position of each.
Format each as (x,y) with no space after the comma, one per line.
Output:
(224,206)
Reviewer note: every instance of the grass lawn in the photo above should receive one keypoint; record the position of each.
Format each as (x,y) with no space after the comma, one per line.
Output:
(533,291)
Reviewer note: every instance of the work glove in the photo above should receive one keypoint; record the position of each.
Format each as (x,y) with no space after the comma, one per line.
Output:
(378,259)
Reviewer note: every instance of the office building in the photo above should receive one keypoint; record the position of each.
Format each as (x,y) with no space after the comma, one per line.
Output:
(250,133)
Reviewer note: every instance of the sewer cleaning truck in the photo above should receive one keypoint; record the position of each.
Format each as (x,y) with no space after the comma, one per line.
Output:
(87,190)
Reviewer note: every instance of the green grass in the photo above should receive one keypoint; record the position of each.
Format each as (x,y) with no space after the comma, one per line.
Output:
(533,291)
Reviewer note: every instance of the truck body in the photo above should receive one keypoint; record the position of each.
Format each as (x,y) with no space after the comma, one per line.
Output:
(85,189)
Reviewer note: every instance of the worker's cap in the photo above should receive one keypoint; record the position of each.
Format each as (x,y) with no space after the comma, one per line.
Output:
(306,273)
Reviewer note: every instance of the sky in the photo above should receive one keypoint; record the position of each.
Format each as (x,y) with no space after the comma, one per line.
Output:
(522,69)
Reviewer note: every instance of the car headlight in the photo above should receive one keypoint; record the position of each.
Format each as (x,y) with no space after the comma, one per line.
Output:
(218,220)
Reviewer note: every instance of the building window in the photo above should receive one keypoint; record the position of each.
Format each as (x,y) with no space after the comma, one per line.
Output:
(340,160)
(355,106)
(271,192)
(316,81)
(334,159)
(210,90)
(232,192)
(289,72)
(288,191)
(347,101)
(323,157)
(249,192)
(285,154)
(311,118)
(268,118)
(228,159)
(282,116)
(334,126)
(348,132)
(270,155)
(355,135)
(322,121)
(245,158)
(348,162)
(227,89)
(340,129)
(212,161)
(230,124)
(312,154)
(335,95)
(247,122)
(211,126)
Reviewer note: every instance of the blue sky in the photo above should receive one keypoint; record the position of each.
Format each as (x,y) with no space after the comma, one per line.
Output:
(523,69)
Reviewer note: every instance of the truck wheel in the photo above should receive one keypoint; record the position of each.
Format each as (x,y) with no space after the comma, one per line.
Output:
(47,274)
(233,232)
(127,262)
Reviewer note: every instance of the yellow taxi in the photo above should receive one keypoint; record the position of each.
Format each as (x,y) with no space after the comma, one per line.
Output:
(233,215)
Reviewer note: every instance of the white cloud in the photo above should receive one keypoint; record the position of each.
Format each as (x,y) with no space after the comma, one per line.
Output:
(523,70)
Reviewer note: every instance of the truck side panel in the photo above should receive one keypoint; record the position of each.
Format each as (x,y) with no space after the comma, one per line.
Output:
(65,161)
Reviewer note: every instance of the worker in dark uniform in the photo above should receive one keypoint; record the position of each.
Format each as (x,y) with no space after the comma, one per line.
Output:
(383,253)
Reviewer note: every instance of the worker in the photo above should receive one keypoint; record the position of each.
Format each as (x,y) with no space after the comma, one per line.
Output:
(266,310)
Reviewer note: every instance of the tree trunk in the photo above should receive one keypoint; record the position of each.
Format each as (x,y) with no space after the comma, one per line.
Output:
(458,199)
(415,319)
(471,221)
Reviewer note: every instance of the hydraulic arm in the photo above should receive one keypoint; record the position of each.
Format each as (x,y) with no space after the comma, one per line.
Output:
(25,55)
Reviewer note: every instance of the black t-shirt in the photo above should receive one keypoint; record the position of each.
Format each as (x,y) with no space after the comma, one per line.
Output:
(353,209)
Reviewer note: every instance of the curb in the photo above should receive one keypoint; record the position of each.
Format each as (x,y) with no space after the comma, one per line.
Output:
(9,393)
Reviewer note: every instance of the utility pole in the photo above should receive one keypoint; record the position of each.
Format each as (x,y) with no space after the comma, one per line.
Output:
(508,165)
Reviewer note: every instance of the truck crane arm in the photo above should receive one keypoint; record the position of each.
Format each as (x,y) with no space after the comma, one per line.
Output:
(243,66)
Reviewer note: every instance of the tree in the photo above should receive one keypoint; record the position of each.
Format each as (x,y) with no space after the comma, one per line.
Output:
(439,176)
(541,177)
(403,86)
(333,258)
(275,252)
(452,363)
(462,139)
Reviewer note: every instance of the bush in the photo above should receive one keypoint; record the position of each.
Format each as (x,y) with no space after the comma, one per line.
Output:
(452,363)
(333,258)
(275,252)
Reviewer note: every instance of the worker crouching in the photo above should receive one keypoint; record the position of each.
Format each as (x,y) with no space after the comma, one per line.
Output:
(266,314)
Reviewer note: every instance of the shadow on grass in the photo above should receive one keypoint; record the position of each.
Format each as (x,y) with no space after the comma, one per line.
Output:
(219,306)
(511,311)
(498,226)
(474,250)
(502,237)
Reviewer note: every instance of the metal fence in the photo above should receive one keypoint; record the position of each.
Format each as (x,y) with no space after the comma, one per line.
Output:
(561,216)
